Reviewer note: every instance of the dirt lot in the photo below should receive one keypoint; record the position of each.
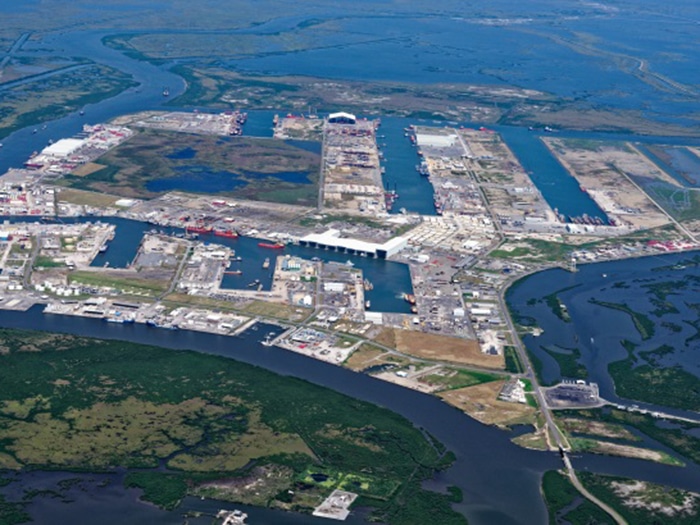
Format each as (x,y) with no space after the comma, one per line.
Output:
(439,348)
(481,402)
(597,428)
(86,198)
(363,357)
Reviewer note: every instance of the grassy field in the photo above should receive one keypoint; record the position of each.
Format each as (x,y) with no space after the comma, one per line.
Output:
(86,198)
(597,446)
(278,310)
(481,402)
(251,168)
(76,403)
(127,283)
(454,378)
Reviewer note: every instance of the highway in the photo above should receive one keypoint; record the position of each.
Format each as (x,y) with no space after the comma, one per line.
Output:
(551,429)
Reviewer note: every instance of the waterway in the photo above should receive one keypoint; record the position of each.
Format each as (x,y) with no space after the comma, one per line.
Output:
(390,279)
(500,480)
(598,331)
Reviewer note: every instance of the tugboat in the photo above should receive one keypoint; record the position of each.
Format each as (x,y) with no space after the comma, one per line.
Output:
(198,229)
(226,233)
(409,298)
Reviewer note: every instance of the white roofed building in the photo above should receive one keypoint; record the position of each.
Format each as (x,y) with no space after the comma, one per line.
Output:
(342,118)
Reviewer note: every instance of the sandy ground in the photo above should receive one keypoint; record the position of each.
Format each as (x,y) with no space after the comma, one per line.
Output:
(597,428)
(481,402)
(602,173)
(445,348)
(615,449)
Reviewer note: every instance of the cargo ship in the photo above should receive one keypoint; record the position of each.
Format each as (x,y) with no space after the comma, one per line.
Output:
(198,229)
(271,245)
(226,233)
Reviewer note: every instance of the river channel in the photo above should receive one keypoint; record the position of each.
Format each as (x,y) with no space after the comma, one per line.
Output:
(500,480)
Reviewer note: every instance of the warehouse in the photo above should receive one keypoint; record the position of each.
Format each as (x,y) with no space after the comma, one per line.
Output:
(331,240)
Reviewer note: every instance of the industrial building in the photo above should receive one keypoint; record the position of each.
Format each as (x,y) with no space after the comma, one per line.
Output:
(342,118)
(331,240)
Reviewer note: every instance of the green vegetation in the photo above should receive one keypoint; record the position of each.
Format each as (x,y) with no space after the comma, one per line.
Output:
(53,97)
(605,447)
(676,437)
(513,364)
(567,359)
(164,490)
(115,282)
(453,378)
(250,168)
(566,505)
(642,323)
(642,377)
(558,308)
(644,503)
(84,404)
(341,218)
(456,494)
(535,250)
(12,513)
(42,261)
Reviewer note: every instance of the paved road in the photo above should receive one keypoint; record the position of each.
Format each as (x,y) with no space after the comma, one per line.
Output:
(576,483)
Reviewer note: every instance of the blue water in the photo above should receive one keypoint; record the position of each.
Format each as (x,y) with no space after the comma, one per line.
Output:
(197,179)
(400,159)
(391,279)
(307,145)
(293,177)
(597,331)
(500,480)
(560,190)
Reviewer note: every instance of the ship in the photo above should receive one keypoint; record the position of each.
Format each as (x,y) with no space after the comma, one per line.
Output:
(226,233)
(368,304)
(266,263)
(103,248)
(409,298)
(233,272)
(198,229)
(271,245)
(166,92)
